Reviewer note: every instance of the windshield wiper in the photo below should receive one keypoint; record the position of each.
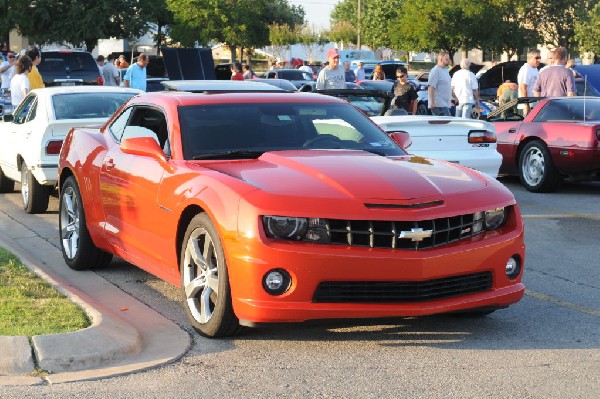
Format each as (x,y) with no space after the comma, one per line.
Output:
(231,154)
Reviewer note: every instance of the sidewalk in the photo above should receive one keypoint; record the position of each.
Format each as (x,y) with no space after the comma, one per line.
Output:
(125,336)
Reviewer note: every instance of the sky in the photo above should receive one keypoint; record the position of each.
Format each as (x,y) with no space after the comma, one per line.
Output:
(317,11)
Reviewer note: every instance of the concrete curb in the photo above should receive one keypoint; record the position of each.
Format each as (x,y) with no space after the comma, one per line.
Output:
(125,336)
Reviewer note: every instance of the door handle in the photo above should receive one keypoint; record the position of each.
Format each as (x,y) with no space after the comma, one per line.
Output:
(512,130)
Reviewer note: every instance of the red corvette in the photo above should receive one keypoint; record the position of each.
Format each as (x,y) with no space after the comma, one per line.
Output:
(559,138)
(284,207)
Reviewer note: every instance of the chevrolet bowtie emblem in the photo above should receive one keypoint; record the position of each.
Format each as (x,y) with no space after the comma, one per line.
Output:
(416,234)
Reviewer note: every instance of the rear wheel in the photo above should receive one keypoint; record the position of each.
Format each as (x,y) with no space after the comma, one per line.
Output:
(78,249)
(205,281)
(536,169)
(6,185)
(35,195)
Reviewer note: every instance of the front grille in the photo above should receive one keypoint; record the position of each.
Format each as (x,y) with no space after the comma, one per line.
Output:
(402,291)
(385,234)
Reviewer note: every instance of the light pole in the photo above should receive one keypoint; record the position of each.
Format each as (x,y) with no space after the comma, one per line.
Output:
(358,23)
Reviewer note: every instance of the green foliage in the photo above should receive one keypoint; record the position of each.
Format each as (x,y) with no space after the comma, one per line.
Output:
(30,306)
(587,31)
(239,23)
(79,22)
(557,19)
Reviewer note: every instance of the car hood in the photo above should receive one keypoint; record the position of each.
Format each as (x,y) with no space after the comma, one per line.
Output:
(351,174)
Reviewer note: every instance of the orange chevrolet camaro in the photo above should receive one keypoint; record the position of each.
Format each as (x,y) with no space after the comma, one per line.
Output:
(285,207)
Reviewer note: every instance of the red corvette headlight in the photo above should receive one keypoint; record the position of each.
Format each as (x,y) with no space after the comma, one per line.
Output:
(297,229)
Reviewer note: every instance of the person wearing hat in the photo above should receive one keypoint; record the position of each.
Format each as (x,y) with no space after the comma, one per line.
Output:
(359,72)
(6,70)
(332,76)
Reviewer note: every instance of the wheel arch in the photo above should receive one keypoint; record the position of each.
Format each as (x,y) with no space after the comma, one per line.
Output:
(522,144)
(184,220)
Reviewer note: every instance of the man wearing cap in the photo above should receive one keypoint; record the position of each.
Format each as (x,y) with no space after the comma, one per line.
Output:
(6,70)
(359,72)
(332,76)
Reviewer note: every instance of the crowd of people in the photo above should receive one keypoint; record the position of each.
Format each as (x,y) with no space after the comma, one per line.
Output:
(19,74)
(556,79)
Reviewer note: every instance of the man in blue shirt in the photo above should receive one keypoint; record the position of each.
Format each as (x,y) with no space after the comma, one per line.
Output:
(136,73)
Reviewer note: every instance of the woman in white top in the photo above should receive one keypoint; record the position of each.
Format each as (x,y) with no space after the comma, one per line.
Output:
(19,84)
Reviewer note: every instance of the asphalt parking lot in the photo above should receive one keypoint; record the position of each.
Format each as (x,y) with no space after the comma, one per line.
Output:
(546,346)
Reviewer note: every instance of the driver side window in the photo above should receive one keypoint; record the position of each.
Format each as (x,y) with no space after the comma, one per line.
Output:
(26,111)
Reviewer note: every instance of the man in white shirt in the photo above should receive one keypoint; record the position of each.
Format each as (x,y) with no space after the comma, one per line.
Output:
(6,70)
(528,74)
(359,72)
(466,89)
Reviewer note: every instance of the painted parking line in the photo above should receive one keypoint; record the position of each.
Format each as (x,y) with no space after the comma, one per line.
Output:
(564,304)
(562,215)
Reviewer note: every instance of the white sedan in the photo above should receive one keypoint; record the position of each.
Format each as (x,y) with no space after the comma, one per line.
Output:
(32,136)
(468,142)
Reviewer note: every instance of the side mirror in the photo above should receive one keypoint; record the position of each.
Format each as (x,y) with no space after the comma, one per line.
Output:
(401,138)
(145,147)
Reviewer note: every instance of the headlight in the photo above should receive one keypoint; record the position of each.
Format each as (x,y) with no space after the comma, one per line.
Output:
(488,220)
(495,218)
(298,229)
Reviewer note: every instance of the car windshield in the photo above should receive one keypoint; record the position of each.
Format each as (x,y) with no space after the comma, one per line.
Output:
(570,110)
(248,130)
(87,105)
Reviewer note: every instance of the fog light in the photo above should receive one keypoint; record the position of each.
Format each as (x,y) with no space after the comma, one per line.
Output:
(276,281)
(513,267)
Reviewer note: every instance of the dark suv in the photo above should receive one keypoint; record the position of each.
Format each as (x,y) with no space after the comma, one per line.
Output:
(69,68)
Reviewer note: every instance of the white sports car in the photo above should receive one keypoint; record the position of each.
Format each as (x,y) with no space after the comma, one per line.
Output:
(467,142)
(32,136)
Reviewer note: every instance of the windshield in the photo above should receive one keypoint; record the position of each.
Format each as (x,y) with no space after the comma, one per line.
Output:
(248,130)
(88,105)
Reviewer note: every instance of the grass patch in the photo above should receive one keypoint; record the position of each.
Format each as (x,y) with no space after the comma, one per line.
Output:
(30,306)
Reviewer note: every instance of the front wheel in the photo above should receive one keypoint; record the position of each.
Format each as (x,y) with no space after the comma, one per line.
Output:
(205,281)
(35,195)
(536,169)
(78,249)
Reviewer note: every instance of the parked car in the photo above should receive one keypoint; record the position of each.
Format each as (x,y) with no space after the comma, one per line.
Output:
(312,86)
(467,142)
(33,135)
(285,207)
(69,68)
(296,76)
(281,83)
(559,138)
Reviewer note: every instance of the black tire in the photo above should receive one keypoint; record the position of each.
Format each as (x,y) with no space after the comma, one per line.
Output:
(205,281)
(78,249)
(6,185)
(536,168)
(35,195)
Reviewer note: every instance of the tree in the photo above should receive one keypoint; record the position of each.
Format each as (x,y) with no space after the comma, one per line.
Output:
(238,23)
(281,37)
(157,12)
(587,31)
(309,37)
(343,32)
(78,22)
(558,18)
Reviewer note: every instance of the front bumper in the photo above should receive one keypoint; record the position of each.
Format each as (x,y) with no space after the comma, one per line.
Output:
(311,264)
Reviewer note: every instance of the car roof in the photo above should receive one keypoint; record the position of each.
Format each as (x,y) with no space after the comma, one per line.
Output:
(182,98)
(85,89)
(204,86)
